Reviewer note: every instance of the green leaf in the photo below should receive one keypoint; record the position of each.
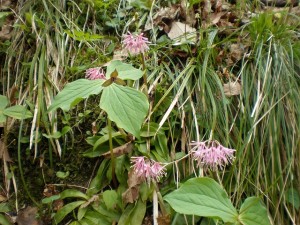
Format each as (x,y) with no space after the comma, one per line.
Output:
(73,194)
(3,102)
(133,215)
(125,71)
(126,106)
(62,175)
(81,212)
(96,218)
(64,211)
(50,199)
(4,220)
(4,208)
(150,130)
(202,197)
(17,112)
(252,212)
(110,198)
(292,196)
(74,92)
(83,36)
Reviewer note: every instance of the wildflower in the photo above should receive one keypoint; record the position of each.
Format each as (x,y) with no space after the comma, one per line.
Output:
(135,44)
(212,154)
(148,170)
(95,73)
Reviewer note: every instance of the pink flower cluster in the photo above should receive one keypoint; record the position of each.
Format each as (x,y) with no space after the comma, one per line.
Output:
(147,169)
(212,154)
(135,44)
(95,73)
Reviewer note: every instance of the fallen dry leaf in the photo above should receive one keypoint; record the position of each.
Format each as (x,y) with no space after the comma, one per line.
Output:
(232,88)
(183,32)
(121,150)
(28,216)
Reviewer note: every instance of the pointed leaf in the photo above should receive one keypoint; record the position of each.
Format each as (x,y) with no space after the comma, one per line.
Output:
(133,215)
(73,194)
(202,197)
(64,211)
(252,212)
(74,92)
(125,71)
(126,106)
(17,112)
(4,220)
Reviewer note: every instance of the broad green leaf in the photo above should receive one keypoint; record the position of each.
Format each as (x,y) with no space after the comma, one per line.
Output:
(72,193)
(133,215)
(126,106)
(64,211)
(125,71)
(202,197)
(2,117)
(75,223)
(17,112)
(96,218)
(110,198)
(4,220)
(3,102)
(252,212)
(4,208)
(81,212)
(74,92)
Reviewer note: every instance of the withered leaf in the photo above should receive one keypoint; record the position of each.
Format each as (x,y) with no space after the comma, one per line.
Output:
(131,195)
(3,152)
(182,31)
(121,150)
(232,88)
(28,216)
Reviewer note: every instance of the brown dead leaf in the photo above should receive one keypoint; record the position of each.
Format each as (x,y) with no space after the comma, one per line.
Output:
(164,219)
(28,216)
(3,152)
(236,52)
(187,13)
(132,193)
(121,150)
(232,88)
(3,198)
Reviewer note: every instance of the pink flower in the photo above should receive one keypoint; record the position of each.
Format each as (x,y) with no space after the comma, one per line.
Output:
(148,170)
(135,44)
(212,154)
(95,73)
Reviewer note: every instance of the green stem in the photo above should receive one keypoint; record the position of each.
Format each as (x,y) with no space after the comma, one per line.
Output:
(144,75)
(20,165)
(111,152)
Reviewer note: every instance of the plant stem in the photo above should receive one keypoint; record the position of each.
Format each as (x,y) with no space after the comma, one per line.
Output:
(111,153)
(20,165)
(144,75)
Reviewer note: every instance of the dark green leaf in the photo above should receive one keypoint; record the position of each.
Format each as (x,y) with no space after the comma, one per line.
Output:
(252,212)
(202,197)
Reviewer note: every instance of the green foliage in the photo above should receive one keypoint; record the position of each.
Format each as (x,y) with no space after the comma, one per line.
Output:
(17,111)
(205,197)
(126,106)
(202,197)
